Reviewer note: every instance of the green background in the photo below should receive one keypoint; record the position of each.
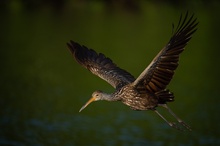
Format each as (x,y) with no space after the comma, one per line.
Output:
(42,88)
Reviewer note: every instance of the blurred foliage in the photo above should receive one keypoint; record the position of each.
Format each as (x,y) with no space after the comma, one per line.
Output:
(127,5)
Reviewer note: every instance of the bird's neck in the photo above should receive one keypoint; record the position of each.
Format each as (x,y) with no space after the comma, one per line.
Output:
(109,97)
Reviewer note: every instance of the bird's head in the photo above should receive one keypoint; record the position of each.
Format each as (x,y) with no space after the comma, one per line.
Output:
(97,95)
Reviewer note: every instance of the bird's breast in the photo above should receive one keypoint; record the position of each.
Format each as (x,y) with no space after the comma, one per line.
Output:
(138,100)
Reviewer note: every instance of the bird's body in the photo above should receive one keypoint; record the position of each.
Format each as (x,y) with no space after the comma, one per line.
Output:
(148,90)
(136,99)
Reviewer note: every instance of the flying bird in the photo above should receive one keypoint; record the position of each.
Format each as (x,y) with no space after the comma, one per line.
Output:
(149,89)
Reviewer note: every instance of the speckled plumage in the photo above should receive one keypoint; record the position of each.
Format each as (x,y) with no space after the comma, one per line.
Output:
(148,90)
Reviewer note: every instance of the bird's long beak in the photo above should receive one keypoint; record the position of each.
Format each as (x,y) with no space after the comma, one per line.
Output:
(87,103)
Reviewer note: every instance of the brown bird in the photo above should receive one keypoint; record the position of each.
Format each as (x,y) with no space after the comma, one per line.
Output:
(148,90)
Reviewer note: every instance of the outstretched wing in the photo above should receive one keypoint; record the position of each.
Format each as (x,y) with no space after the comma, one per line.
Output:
(160,71)
(100,65)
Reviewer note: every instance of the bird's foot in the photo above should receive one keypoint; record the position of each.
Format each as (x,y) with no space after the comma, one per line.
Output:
(180,126)
(176,126)
(185,125)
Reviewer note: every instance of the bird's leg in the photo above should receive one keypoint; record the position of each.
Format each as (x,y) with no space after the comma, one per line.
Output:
(169,123)
(177,118)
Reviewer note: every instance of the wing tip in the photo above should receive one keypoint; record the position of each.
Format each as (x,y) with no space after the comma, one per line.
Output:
(189,21)
(72,46)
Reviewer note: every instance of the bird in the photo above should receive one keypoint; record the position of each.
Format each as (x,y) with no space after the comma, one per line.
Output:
(149,90)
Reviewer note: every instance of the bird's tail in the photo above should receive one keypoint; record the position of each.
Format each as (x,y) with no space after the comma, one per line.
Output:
(164,96)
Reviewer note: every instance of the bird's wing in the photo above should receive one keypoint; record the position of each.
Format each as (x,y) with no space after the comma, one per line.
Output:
(100,65)
(160,71)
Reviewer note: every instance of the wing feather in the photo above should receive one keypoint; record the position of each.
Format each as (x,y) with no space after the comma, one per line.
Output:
(100,65)
(160,71)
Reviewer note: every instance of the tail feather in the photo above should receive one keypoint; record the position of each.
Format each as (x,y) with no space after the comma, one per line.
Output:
(164,96)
